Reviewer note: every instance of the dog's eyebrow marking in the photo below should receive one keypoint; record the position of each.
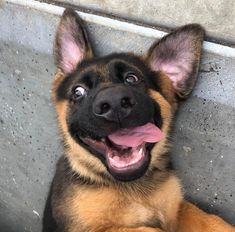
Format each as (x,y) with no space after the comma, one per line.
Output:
(90,78)
(118,68)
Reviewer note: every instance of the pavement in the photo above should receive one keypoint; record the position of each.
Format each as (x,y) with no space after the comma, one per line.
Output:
(216,15)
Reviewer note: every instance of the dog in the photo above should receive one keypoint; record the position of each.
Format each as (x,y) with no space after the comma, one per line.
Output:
(115,114)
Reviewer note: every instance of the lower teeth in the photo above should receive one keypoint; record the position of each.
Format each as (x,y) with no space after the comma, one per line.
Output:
(116,160)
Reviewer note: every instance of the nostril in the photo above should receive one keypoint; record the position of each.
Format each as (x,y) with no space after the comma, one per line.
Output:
(127,102)
(104,108)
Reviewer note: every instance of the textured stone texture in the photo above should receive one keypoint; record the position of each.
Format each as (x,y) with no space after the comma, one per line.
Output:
(217,16)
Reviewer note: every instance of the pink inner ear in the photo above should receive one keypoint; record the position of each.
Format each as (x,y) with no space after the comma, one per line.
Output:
(177,71)
(175,57)
(71,54)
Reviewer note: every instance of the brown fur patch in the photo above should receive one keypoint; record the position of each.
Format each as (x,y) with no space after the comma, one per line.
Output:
(194,220)
(96,209)
(163,146)
(168,90)
(80,159)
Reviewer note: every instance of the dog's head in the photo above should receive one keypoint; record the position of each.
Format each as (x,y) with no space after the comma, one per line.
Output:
(115,112)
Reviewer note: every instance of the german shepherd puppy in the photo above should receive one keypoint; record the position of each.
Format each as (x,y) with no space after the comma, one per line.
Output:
(115,114)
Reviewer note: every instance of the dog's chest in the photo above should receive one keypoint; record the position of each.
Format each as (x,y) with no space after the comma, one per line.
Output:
(92,208)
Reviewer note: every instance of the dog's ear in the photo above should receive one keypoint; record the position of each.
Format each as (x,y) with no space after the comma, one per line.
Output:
(178,56)
(72,44)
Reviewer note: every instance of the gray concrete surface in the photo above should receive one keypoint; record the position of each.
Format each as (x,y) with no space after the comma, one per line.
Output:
(204,149)
(217,16)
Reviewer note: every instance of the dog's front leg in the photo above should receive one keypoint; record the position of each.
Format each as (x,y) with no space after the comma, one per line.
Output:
(192,219)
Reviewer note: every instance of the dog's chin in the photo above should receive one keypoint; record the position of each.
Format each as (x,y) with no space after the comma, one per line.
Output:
(123,163)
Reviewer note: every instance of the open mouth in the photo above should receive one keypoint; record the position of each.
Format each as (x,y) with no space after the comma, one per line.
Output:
(126,151)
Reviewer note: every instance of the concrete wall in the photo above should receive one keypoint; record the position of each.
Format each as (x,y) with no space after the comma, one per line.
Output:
(204,147)
(217,16)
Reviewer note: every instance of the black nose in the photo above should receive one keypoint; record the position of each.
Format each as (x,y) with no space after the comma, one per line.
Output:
(114,103)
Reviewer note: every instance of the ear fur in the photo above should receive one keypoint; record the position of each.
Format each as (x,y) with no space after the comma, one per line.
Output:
(178,56)
(71,44)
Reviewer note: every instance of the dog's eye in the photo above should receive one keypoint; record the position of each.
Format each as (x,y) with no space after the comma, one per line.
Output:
(131,78)
(79,91)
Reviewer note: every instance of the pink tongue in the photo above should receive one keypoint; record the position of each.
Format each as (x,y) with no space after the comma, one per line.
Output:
(136,136)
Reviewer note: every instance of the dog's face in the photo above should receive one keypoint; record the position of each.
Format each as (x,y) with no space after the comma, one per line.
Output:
(115,112)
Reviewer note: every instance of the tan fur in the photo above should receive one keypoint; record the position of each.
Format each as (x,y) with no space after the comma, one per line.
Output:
(93,209)
(163,146)
(168,90)
(77,155)
(140,229)
(193,219)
